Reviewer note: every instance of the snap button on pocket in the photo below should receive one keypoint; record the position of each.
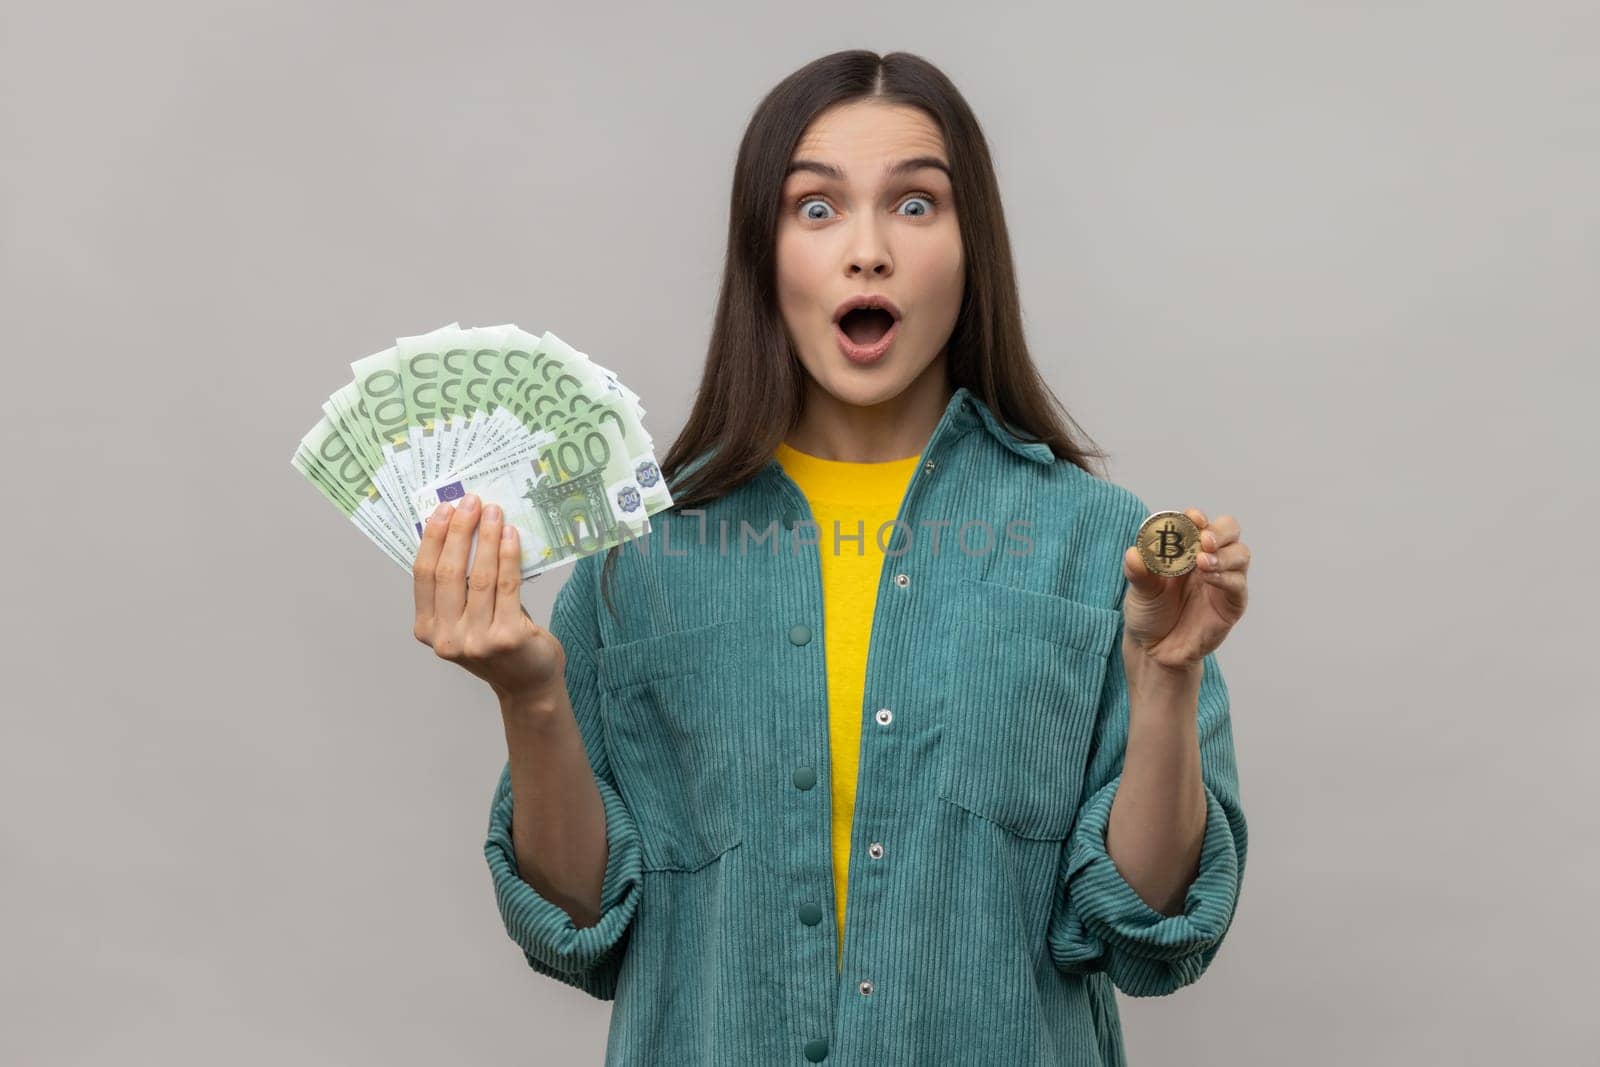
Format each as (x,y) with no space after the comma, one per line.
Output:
(1024,691)
(664,719)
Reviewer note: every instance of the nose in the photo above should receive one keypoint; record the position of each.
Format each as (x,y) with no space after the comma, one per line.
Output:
(869,252)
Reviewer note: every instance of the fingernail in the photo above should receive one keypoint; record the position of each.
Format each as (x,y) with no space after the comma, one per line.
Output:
(1210,560)
(492,512)
(439,512)
(470,502)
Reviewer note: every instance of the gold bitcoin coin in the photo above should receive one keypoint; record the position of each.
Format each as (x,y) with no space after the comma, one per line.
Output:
(1168,542)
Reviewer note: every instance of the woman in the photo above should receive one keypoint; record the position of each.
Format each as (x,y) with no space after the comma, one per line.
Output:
(870,752)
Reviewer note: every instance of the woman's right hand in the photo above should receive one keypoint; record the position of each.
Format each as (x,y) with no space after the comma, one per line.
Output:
(478,620)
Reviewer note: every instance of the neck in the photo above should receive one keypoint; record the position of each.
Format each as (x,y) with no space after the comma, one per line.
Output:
(896,428)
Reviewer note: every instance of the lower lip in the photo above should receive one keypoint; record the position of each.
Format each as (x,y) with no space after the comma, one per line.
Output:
(864,354)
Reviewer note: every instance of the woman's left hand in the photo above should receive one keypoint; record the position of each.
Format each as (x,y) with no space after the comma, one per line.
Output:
(1177,622)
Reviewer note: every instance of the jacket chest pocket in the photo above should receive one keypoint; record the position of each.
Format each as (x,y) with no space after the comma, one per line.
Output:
(671,751)
(1024,691)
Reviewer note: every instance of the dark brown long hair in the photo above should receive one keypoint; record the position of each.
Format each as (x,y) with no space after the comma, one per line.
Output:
(752,385)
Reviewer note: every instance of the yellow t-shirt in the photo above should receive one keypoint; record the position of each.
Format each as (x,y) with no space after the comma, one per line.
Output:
(861,498)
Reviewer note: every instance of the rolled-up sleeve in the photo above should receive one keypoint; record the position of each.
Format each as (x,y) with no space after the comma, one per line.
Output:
(588,958)
(1098,921)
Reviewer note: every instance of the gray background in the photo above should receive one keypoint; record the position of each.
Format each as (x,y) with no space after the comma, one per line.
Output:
(1330,271)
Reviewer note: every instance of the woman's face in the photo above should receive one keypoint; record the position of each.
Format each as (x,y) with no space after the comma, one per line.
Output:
(848,227)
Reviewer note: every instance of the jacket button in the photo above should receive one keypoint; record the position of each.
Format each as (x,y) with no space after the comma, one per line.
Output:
(817,1049)
(866,987)
(810,913)
(885,716)
(928,466)
(805,777)
(799,635)
(902,580)
(875,850)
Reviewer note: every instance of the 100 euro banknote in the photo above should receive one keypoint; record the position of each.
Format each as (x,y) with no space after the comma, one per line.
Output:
(522,420)
(568,496)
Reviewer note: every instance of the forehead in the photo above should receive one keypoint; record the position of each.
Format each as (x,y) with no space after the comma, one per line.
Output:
(861,136)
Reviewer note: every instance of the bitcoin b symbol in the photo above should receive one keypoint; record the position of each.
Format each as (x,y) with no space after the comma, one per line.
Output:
(1167,542)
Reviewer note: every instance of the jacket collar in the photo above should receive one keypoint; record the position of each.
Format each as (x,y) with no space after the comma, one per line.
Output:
(965,402)
(963,413)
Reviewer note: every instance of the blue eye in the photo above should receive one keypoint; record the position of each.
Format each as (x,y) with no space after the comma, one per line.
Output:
(805,204)
(805,208)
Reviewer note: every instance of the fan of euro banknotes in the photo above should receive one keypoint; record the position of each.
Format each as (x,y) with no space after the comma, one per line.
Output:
(525,422)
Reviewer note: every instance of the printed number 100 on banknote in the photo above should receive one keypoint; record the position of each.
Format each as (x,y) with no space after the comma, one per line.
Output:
(570,495)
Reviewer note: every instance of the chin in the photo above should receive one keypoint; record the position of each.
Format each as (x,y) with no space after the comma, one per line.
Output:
(864,387)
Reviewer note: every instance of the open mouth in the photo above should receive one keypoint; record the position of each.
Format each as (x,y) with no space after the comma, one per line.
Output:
(866,326)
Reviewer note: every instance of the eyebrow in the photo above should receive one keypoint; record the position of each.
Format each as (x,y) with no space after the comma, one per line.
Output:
(905,166)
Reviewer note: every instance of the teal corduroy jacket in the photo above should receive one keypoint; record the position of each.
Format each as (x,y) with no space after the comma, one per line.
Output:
(986,922)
